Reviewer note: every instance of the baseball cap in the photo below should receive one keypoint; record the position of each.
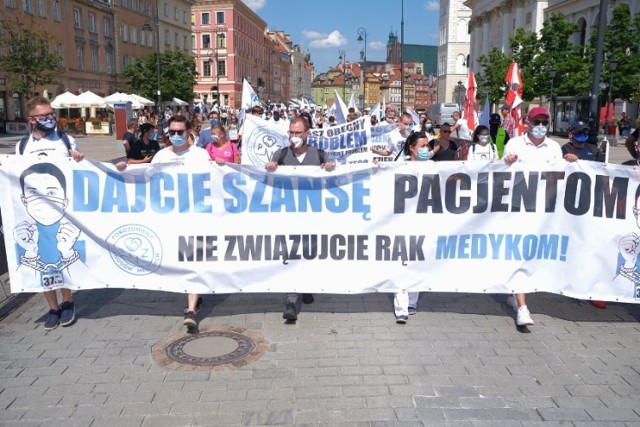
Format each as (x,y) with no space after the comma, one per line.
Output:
(578,126)
(146,127)
(505,107)
(495,118)
(538,111)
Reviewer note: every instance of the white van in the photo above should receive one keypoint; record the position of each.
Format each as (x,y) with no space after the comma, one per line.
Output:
(442,112)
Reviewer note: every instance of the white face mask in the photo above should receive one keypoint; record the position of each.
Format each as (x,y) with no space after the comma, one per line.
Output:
(296,141)
(483,138)
(539,131)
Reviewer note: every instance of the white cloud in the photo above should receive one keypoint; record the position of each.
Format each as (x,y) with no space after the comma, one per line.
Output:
(323,40)
(255,4)
(377,46)
(432,5)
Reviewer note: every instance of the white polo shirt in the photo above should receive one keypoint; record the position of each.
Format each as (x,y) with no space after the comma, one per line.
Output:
(548,150)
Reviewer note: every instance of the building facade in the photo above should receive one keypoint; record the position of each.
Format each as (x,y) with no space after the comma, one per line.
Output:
(453,47)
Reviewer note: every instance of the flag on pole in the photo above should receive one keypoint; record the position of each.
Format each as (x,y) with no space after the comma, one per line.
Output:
(484,120)
(249,97)
(375,111)
(470,102)
(514,95)
(341,108)
(352,103)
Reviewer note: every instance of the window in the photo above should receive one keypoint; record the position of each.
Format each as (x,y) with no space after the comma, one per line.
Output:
(219,17)
(134,35)
(109,61)
(59,56)
(166,10)
(95,64)
(27,6)
(221,41)
(123,3)
(206,68)
(142,38)
(125,61)
(77,18)
(132,4)
(42,9)
(166,37)
(184,16)
(206,41)
(123,32)
(185,42)
(10,4)
(140,6)
(193,41)
(150,41)
(107,27)
(205,18)
(193,19)
(176,14)
(176,40)
(222,67)
(92,23)
(80,57)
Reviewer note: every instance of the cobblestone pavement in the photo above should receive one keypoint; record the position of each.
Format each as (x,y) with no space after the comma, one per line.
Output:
(459,361)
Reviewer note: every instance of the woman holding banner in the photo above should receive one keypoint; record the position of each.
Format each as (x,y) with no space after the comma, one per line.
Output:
(416,148)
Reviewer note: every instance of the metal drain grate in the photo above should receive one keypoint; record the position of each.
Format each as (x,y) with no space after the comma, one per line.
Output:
(223,347)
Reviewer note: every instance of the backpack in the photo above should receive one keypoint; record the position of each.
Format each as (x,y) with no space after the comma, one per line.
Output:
(62,135)
(285,150)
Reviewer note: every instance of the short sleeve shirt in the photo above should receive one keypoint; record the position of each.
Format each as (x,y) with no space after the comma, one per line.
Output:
(50,145)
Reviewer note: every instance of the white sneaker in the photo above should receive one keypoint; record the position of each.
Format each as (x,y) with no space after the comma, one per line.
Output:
(523,318)
(512,302)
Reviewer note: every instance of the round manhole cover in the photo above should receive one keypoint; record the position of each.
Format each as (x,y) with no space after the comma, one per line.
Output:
(223,347)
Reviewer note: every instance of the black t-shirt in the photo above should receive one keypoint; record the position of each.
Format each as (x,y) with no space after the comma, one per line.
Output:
(129,137)
(442,154)
(139,150)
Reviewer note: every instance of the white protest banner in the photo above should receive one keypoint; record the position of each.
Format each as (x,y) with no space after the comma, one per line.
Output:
(569,229)
(379,138)
(344,143)
(260,139)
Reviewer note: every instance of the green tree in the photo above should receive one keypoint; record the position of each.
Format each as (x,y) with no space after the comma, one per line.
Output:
(177,76)
(525,48)
(622,44)
(495,66)
(555,50)
(25,56)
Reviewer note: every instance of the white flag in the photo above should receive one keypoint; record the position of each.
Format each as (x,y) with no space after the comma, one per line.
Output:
(341,108)
(249,97)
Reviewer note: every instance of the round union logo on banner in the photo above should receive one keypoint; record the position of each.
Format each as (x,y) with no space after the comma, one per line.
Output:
(135,249)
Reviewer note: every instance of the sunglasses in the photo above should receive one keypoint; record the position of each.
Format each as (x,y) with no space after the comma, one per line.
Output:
(44,116)
(445,131)
(179,132)
(541,122)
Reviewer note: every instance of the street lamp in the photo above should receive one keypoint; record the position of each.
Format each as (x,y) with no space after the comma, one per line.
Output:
(613,64)
(219,30)
(460,90)
(147,27)
(552,75)
(362,36)
(343,58)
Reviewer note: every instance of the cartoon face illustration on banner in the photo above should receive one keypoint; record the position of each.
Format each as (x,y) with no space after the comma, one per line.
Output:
(628,270)
(48,245)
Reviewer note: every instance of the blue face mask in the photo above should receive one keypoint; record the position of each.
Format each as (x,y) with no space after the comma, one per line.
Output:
(580,137)
(214,122)
(46,125)
(178,140)
(153,135)
(428,126)
(424,153)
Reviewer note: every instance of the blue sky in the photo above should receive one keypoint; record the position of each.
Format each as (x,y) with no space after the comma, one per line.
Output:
(324,28)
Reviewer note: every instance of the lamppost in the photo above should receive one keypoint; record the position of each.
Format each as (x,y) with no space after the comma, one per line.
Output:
(613,64)
(219,31)
(552,75)
(460,90)
(401,57)
(362,36)
(147,27)
(343,58)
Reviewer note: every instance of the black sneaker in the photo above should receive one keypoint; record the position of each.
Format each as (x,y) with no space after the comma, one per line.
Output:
(198,306)
(190,320)
(307,298)
(290,312)
(53,320)
(68,313)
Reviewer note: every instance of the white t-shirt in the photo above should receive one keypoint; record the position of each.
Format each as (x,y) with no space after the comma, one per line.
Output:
(479,152)
(463,129)
(526,151)
(50,145)
(395,142)
(191,156)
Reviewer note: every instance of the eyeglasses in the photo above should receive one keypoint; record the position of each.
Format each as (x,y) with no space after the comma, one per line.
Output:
(179,132)
(580,133)
(445,131)
(294,133)
(44,116)
(540,122)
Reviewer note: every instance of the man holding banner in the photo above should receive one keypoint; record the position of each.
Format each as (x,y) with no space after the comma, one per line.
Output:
(533,146)
(297,154)
(397,137)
